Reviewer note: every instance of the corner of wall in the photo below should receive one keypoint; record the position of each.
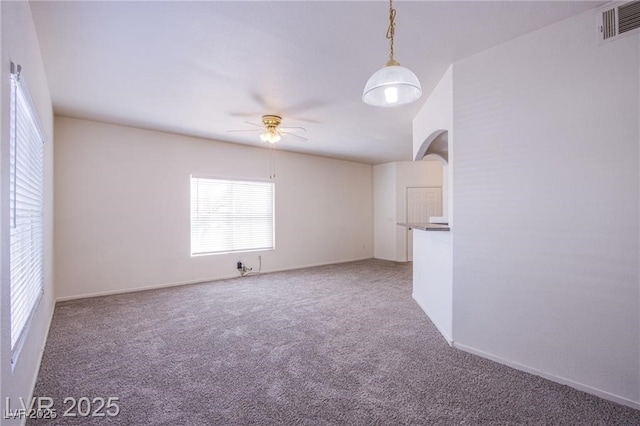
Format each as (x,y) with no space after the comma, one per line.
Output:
(19,43)
(638,38)
(384,211)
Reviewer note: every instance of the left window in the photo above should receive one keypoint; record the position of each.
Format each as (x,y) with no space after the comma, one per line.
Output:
(26,210)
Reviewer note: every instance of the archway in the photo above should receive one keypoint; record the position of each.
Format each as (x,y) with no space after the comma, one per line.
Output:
(436,145)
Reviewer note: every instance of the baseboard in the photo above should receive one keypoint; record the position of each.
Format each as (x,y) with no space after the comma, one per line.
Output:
(143,288)
(446,337)
(196,281)
(314,265)
(558,379)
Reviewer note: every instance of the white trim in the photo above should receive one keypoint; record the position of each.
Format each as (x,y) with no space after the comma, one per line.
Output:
(446,337)
(227,178)
(313,265)
(144,288)
(196,281)
(558,379)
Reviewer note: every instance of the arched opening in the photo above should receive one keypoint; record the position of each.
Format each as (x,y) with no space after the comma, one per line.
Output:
(436,145)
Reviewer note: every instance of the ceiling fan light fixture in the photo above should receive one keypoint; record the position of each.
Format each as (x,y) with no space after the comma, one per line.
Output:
(393,85)
(271,133)
(271,136)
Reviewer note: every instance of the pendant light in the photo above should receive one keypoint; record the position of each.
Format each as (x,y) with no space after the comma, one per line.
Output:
(392,85)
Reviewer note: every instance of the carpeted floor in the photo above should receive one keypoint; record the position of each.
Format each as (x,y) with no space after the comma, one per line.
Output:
(333,345)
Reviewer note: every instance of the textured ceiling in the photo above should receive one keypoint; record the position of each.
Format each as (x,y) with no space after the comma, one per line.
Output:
(203,68)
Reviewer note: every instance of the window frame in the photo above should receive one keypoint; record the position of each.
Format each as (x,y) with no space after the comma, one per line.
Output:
(239,181)
(30,289)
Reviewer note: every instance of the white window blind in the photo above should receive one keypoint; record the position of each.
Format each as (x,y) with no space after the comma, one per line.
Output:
(26,211)
(231,215)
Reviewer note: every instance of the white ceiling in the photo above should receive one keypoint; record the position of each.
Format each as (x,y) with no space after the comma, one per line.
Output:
(203,68)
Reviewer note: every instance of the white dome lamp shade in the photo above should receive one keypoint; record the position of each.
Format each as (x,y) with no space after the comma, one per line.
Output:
(393,85)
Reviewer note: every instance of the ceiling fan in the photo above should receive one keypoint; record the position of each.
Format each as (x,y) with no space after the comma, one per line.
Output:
(271,131)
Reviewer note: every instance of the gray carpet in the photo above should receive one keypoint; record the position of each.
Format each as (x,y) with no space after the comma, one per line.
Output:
(333,345)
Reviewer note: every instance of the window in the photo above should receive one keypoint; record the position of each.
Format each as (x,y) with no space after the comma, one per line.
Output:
(231,215)
(26,211)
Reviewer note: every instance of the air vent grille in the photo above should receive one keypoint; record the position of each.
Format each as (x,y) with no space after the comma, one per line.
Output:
(628,17)
(609,24)
(617,20)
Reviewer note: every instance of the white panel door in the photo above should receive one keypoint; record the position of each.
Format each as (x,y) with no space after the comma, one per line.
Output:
(422,203)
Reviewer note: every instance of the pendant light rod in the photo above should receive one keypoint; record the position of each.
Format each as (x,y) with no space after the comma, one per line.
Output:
(391,30)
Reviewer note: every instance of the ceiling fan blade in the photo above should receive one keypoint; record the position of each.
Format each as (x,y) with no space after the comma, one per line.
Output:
(259,128)
(260,100)
(293,128)
(254,124)
(304,106)
(244,114)
(306,120)
(294,135)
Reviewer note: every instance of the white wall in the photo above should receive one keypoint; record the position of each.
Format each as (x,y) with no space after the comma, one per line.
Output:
(436,113)
(390,183)
(122,208)
(19,43)
(546,197)
(384,211)
(432,278)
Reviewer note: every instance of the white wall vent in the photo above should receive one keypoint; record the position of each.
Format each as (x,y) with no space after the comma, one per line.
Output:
(618,19)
